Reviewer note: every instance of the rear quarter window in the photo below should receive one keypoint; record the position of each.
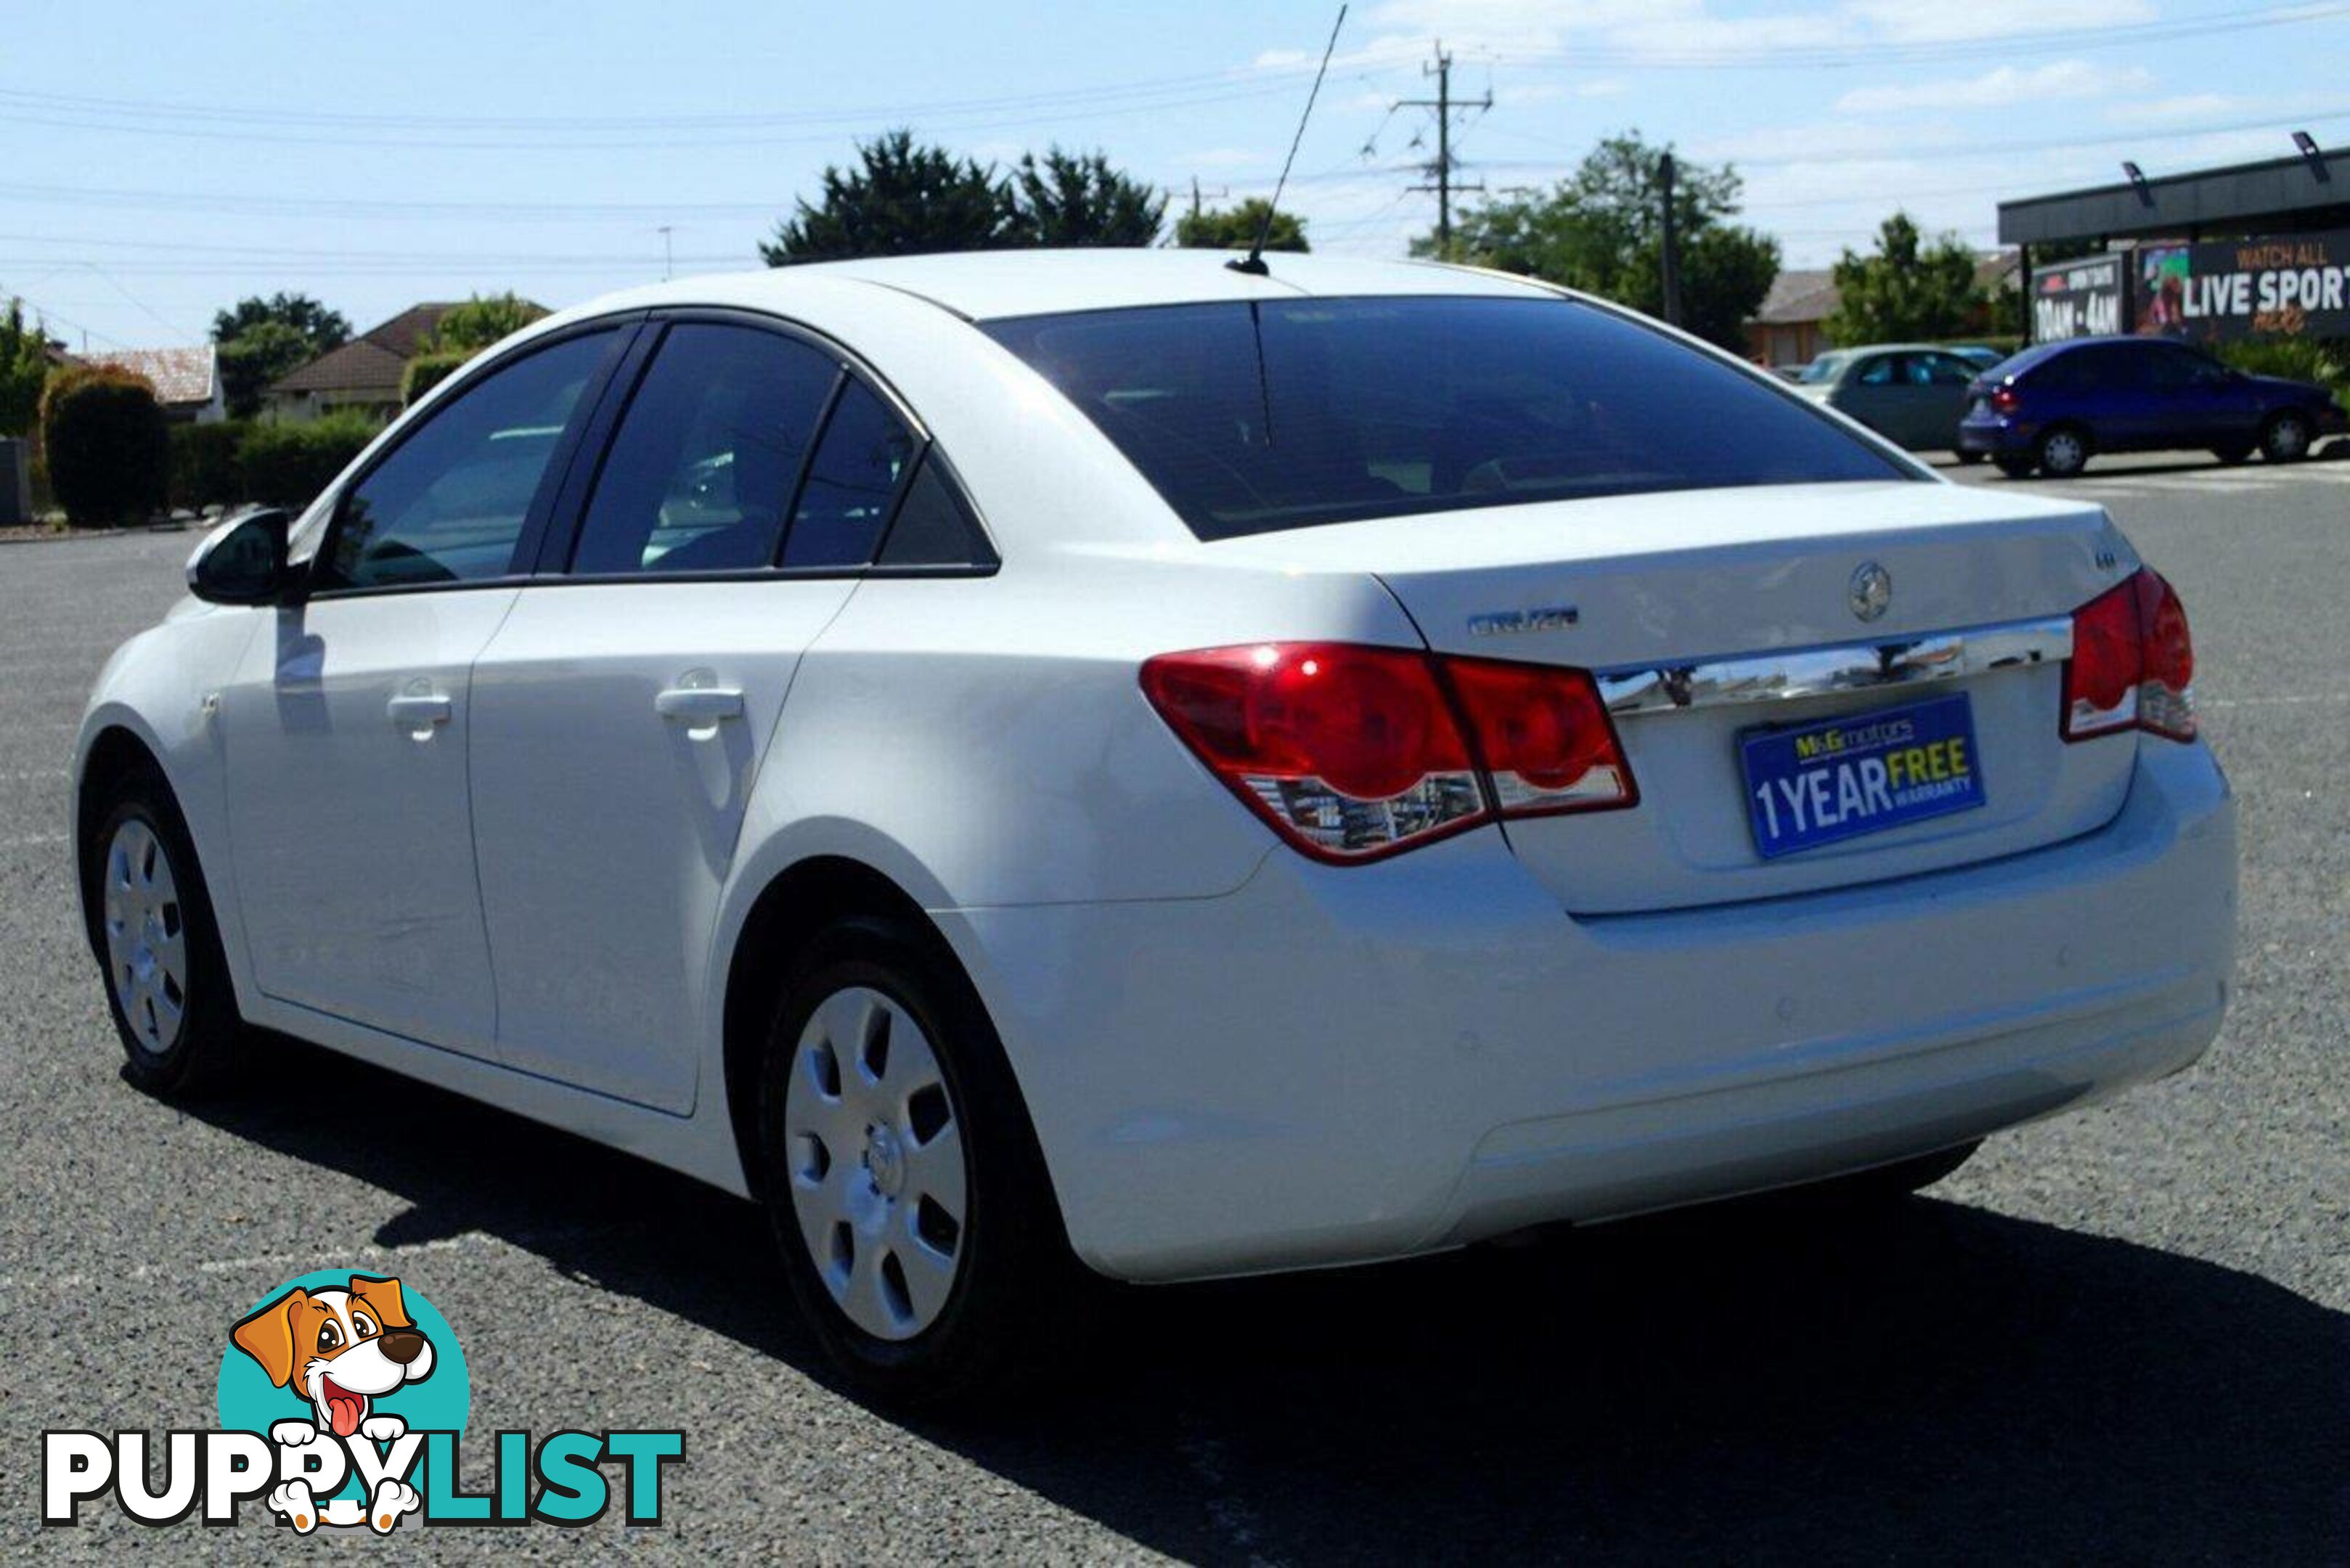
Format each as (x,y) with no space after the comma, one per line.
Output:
(1250,418)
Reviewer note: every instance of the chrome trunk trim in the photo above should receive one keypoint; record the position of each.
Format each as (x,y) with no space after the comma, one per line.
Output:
(1847,667)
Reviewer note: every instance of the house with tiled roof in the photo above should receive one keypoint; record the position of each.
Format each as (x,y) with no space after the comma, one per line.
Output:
(363,374)
(1790,327)
(187,382)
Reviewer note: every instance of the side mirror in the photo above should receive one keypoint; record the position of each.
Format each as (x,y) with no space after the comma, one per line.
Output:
(242,561)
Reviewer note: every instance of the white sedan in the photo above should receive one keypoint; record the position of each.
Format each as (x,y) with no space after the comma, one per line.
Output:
(1029,760)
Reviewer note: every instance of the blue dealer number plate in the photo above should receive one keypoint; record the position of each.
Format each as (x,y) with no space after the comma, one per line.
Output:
(1812,784)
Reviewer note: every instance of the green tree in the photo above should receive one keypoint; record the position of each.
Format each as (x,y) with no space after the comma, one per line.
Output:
(107,443)
(324,328)
(901,200)
(24,369)
(1235,228)
(1906,289)
(473,325)
(260,354)
(1601,230)
(1071,199)
(262,340)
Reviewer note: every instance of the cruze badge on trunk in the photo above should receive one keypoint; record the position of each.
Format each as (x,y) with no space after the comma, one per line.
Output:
(1508,623)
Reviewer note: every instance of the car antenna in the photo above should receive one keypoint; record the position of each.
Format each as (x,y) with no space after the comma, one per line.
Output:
(1253,263)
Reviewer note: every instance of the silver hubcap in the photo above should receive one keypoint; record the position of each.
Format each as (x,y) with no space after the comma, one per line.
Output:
(875,1146)
(146,940)
(2064,453)
(2287,439)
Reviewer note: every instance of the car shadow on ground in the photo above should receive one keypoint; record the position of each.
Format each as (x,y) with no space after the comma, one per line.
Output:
(1782,1380)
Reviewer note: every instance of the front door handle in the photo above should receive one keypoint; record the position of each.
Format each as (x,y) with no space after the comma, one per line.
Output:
(699,704)
(419,710)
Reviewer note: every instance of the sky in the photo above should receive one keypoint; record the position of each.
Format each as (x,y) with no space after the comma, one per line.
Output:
(159,162)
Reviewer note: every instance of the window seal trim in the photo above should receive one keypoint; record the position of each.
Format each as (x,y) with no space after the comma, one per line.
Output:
(626,327)
(561,545)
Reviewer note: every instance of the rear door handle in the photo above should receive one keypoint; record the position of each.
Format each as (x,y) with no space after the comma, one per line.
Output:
(419,710)
(699,704)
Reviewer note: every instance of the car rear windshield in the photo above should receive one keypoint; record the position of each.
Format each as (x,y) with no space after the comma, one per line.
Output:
(1250,418)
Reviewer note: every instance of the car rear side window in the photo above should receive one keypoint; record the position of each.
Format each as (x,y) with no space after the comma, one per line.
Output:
(933,527)
(1250,418)
(699,475)
(860,460)
(449,502)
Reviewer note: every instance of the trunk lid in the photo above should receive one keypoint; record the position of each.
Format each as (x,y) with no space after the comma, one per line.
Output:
(1726,584)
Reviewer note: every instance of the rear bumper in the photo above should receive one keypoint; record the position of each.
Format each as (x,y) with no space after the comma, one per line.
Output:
(1335,1064)
(1995,435)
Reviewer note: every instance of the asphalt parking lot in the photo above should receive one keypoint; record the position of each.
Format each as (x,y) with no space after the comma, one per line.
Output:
(2124,1336)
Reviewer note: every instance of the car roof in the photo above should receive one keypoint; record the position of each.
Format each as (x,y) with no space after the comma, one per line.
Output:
(991,284)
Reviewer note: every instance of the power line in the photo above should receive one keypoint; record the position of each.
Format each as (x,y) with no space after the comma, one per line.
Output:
(1440,169)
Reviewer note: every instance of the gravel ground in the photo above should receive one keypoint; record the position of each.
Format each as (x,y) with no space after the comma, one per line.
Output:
(2121,1335)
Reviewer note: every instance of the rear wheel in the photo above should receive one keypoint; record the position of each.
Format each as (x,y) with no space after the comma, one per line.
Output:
(2014,467)
(1971,458)
(2286,437)
(901,1176)
(2231,453)
(167,984)
(2062,452)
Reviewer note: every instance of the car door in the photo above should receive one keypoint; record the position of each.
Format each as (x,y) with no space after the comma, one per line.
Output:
(2205,404)
(1940,382)
(622,710)
(347,725)
(1870,390)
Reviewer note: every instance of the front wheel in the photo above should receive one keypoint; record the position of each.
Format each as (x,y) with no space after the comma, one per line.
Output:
(1969,458)
(166,985)
(2285,438)
(2014,467)
(2233,453)
(902,1176)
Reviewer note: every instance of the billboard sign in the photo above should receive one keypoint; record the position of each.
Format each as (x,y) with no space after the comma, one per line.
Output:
(2217,290)
(2080,298)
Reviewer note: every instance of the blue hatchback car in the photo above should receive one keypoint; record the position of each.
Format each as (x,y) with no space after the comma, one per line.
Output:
(2051,407)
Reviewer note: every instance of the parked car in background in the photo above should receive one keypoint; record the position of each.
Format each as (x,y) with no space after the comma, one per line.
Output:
(1910,393)
(2052,407)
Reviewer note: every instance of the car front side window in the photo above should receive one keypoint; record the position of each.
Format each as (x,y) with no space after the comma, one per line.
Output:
(449,502)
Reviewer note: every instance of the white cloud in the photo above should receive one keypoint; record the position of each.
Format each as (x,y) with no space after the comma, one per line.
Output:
(1997,89)
(1939,21)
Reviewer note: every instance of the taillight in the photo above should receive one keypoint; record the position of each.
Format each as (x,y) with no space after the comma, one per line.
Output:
(2004,400)
(1354,753)
(2133,663)
(1542,736)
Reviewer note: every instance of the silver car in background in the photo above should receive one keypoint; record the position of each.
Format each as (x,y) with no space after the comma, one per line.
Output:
(1912,394)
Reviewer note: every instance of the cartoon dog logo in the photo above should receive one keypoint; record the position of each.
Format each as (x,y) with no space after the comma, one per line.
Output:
(341,1350)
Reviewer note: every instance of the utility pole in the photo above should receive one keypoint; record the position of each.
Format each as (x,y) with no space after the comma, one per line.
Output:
(1219,192)
(1440,171)
(1670,250)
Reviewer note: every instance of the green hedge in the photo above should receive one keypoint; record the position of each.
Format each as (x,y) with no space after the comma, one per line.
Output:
(203,465)
(242,460)
(2326,361)
(289,464)
(104,436)
(427,372)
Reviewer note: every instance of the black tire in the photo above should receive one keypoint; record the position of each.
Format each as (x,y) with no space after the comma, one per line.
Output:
(2014,467)
(1884,1182)
(1017,1291)
(2062,451)
(2287,437)
(2233,453)
(1971,458)
(202,1050)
